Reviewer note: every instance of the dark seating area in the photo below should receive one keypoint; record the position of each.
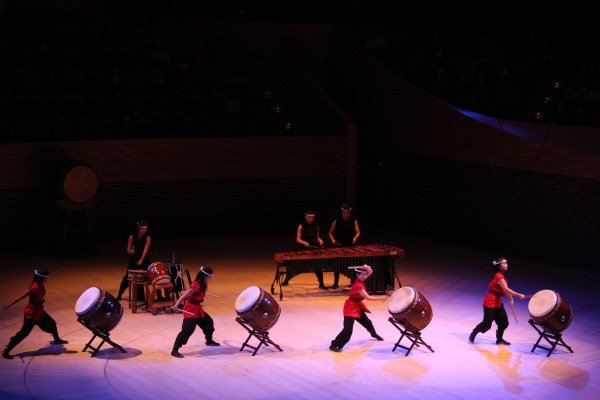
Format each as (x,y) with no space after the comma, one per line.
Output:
(543,69)
(65,79)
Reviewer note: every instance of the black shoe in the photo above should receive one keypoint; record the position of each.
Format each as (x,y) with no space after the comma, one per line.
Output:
(60,341)
(285,283)
(376,336)
(472,336)
(6,355)
(502,341)
(334,348)
(335,286)
(212,343)
(176,353)
(321,286)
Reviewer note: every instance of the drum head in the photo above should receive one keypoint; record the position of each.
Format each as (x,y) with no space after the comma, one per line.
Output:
(247,299)
(401,299)
(157,266)
(542,303)
(79,183)
(87,300)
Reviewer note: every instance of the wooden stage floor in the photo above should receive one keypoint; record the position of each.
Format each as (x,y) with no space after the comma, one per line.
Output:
(453,280)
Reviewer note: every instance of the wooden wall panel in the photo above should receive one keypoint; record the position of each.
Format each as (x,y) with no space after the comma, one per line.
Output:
(183,187)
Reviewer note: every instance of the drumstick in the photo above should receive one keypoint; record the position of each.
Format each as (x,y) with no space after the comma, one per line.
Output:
(512,307)
(210,294)
(182,310)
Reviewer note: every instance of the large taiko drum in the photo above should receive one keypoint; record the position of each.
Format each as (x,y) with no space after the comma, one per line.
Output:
(550,310)
(257,308)
(157,272)
(98,309)
(410,308)
(78,182)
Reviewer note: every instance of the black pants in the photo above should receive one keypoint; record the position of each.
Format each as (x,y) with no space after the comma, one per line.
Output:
(344,336)
(319,274)
(490,315)
(189,326)
(46,323)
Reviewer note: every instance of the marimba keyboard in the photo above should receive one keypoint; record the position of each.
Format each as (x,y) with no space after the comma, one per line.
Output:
(380,257)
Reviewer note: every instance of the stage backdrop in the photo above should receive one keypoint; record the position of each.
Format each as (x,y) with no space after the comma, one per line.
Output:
(181,186)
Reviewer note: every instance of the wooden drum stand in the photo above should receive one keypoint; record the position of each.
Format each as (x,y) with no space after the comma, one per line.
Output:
(263,338)
(413,336)
(553,338)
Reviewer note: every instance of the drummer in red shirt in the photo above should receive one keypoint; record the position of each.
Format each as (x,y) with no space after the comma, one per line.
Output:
(355,310)
(493,309)
(34,313)
(193,312)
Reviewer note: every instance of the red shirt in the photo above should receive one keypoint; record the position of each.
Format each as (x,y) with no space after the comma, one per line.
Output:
(493,298)
(194,302)
(35,308)
(354,304)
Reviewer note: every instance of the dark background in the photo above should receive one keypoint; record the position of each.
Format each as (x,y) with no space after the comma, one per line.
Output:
(385,139)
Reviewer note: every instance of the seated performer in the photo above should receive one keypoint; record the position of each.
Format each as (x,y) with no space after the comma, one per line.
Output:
(355,310)
(194,314)
(34,313)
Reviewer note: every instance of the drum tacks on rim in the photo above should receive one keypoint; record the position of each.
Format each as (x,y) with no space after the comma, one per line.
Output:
(157,272)
(98,309)
(257,308)
(410,308)
(549,309)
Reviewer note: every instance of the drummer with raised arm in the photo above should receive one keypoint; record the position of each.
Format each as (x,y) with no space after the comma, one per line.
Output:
(193,312)
(493,309)
(355,309)
(34,312)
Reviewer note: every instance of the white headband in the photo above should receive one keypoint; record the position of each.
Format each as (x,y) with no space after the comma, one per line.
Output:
(204,272)
(36,272)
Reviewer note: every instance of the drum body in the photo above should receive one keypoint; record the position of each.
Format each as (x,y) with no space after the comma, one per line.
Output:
(157,272)
(98,309)
(550,310)
(410,308)
(257,308)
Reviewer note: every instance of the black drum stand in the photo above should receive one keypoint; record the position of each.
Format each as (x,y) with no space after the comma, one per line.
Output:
(97,333)
(263,338)
(553,338)
(413,336)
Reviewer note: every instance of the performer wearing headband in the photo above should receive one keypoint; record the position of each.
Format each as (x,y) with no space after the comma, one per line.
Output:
(493,309)
(355,310)
(138,247)
(307,237)
(34,313)
(344,231)
(193,312)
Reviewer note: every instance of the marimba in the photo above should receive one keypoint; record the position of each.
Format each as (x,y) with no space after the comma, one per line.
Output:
(380,257)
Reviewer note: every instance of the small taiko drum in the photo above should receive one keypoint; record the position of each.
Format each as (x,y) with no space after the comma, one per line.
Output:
(257,308)
(157,272)
(550,310)
(98,309)
(410,308)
